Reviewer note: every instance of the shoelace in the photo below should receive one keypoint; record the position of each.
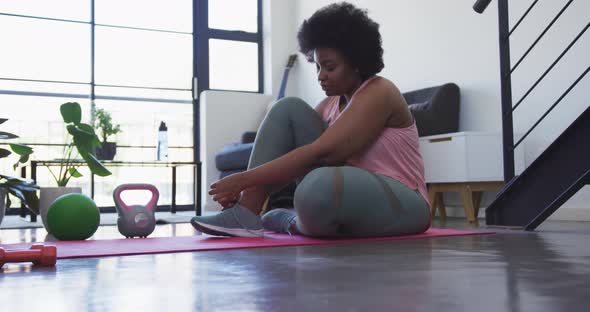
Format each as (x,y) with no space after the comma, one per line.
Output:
(286,224)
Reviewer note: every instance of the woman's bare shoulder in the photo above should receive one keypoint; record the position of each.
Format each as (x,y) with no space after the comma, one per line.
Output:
(384,86)
(381,89)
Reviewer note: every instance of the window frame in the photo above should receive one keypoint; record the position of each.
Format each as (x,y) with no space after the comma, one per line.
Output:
(201,34)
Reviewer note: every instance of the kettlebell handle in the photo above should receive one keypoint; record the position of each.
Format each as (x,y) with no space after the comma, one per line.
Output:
(151,205)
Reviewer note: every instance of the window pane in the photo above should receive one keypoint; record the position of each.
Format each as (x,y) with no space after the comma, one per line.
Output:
(52,50)
(233,65)
(77,10)
(166,15)
(234,15)
(139,127)
(160,177)
(145,93)
(38,120)
(143,58)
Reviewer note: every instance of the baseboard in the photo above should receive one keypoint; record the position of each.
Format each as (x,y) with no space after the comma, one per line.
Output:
(563,214)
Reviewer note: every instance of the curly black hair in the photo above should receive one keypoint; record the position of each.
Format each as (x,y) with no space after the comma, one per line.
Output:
(348,29)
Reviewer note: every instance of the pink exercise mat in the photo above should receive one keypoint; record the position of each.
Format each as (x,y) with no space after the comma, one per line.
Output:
(138,246)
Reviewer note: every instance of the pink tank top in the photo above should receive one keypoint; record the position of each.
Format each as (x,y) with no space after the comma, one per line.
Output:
(395,153)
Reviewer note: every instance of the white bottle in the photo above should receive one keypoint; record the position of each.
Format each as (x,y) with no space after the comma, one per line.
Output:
(163,142)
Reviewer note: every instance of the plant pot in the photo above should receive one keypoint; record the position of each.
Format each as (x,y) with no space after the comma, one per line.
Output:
(49,195)
(2,203)
(107,151)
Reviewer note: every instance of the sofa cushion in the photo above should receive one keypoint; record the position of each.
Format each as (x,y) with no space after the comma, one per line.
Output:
(248,137)
(435,109)
(233,156)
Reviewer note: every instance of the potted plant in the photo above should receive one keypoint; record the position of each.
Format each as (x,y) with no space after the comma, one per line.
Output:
(80,143)
(104,123)
(23,189)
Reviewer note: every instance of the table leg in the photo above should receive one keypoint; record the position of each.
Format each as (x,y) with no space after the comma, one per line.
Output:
(468,203)
(173,206)
(23,210)
(198,190)
(92,185)
(440,204)
(432,200)
(34,178)
(477,202)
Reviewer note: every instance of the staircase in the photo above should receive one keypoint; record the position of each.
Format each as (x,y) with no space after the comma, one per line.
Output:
(555,176)
(562,169)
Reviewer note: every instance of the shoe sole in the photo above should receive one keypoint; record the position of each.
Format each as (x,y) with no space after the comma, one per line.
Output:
(221,231)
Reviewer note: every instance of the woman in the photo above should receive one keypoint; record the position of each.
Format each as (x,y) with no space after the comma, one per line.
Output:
(357,152)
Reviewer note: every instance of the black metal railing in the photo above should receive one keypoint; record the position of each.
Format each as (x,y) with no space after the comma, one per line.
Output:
(506,72)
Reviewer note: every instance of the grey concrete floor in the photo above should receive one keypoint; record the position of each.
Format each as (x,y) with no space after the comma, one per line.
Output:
(546,270)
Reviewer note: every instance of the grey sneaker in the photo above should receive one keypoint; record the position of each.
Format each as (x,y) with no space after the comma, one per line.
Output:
(234,221)
(280,220)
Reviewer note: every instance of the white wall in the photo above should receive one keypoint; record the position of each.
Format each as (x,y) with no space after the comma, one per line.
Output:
(279,43)
(429,42)
(224,117)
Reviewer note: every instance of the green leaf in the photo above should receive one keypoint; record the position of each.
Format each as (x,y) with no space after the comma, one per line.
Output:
(6,135)
(21,149)
(25,187)
(29,199)
(32,202)
(84,143)
(4,152)
(16,192)
(74,172)
(23,159)
(95,166)
(89,129)
(86,128)
(16,180)
(77,131)
(71,112)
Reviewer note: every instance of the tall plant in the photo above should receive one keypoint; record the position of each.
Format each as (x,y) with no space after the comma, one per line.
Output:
(23,189)
(82,139)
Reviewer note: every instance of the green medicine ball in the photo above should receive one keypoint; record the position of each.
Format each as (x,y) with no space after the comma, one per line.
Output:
(73,217)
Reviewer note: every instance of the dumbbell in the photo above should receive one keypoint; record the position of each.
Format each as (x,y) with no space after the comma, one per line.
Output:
(38,254)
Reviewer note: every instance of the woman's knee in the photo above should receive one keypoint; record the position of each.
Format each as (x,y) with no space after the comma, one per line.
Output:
(317,215)
(316,188)
(288,105)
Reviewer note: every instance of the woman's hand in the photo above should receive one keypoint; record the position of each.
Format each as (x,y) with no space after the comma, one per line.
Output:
(227,190)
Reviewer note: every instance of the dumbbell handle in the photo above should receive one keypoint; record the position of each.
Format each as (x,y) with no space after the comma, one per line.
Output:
(151,205)
(22,255)
(28,255)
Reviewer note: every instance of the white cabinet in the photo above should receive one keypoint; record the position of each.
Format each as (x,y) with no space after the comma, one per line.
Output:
(466,157)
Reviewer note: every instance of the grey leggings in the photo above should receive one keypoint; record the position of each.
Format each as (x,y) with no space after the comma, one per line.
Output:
(341,201)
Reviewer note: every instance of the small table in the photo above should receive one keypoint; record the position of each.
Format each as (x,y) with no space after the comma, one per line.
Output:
(114,163)
(471,193)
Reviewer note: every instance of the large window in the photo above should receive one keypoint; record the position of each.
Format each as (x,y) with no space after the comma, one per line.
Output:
(144,61)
